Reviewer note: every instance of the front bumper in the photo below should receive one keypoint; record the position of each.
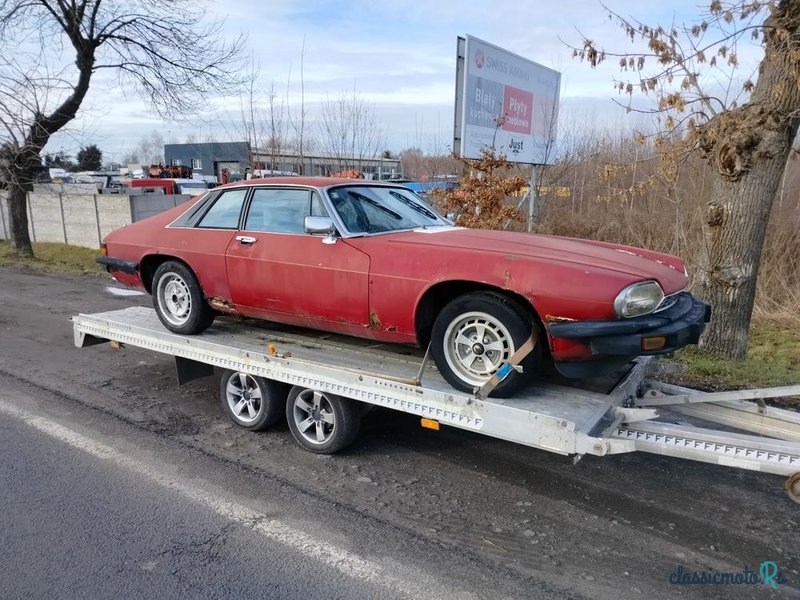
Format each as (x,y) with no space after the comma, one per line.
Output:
(617,341)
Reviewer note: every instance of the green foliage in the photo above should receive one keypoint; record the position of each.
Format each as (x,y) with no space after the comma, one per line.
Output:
(59,160)
(90,158)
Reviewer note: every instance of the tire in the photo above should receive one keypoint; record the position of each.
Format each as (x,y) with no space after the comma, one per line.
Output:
(321,422)
(179,300)
(251,402)
(503,324)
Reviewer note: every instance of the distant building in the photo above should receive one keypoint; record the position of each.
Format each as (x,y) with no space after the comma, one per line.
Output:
(207,161)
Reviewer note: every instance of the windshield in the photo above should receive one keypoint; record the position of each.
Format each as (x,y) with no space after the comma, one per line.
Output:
(367,209)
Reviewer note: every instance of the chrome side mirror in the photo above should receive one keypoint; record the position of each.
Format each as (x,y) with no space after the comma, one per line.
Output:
(320,226)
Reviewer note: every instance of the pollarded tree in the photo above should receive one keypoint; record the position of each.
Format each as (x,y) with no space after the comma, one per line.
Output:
(90,158)
(745,136)
(52,50)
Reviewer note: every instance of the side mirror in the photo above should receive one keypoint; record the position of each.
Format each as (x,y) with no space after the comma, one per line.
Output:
(320,226)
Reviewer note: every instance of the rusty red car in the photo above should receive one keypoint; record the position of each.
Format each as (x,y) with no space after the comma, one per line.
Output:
(373,260)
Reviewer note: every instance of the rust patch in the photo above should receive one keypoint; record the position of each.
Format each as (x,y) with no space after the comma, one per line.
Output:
(507,277)
(554,319)
(222,305)
(374,321)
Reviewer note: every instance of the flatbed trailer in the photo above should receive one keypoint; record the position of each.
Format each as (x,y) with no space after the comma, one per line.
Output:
(631,413)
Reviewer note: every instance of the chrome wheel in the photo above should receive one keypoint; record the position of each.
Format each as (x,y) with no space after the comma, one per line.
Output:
(313,417)
(476,344)
(174,299)
(244,398)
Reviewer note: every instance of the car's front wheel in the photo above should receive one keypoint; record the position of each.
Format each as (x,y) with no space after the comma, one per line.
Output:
(475,334)
(179,300)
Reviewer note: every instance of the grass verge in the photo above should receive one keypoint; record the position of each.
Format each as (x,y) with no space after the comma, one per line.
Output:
(773,359)
(53,258)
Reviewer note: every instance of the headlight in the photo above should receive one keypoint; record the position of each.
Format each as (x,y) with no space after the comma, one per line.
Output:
(638,299)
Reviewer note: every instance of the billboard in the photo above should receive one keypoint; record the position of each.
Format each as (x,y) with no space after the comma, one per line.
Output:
(504,101)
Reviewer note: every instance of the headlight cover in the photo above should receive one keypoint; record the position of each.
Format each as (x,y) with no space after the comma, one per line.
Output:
(638,299)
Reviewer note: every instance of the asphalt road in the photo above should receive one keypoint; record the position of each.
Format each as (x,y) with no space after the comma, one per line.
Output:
(116,483)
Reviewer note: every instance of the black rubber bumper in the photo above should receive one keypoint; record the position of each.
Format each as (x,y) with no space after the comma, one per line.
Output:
(681,324)
(117,264)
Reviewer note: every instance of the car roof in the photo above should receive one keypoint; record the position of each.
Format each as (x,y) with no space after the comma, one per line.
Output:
(317,182)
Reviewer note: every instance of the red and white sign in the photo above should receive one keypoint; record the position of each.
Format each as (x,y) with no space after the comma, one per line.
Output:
(517,110)
(506,102)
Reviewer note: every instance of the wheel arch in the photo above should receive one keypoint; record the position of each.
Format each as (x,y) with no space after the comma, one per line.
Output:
(149,265)
(436,297)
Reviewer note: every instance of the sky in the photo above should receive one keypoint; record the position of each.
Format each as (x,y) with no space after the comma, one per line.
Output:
(398,55)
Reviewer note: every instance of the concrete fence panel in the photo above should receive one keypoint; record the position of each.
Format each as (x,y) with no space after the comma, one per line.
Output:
(46,218)
(113,212)
(80,220)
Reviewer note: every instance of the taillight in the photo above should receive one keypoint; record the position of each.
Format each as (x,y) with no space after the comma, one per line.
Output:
(104,249)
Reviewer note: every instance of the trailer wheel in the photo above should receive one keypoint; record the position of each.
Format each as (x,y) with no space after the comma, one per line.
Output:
(321,422)
(793,487)
(179,300)
(475,334)
(251,402)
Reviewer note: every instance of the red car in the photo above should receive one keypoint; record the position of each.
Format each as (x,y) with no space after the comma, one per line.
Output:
(372,260)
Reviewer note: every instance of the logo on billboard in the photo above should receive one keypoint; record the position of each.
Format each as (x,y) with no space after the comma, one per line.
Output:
(480,59)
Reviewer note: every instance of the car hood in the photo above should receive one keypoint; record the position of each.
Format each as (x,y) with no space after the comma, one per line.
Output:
(637,263)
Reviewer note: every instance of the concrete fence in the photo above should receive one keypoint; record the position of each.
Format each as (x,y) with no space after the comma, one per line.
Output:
(83,219)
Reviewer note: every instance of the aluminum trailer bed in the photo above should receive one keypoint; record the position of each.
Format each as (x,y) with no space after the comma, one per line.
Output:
(633,413)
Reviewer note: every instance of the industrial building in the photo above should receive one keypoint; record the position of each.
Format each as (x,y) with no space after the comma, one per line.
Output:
(207,161)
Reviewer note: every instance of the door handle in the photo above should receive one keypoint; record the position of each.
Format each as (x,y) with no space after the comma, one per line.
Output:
(246,239)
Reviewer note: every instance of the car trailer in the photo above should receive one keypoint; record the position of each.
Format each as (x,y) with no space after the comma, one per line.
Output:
(328,373)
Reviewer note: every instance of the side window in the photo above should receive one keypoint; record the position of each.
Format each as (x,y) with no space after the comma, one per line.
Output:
(278,211)
(224,213)
(317,207)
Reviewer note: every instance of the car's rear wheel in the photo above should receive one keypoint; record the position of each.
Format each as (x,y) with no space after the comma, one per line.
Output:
(179,300)
(475,334)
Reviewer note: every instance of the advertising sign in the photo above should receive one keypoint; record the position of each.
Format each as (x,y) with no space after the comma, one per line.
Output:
(506,102)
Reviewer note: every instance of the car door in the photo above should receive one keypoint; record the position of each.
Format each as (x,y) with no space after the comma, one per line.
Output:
(201,238)
(286,274)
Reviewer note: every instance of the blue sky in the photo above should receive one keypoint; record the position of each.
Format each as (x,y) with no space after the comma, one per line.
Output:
(398,55)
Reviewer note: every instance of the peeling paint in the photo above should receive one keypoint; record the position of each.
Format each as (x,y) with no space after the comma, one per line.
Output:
(374,321)
(218,303)
(553,319)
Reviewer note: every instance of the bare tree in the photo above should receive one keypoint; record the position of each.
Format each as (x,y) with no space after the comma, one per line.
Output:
(746,141)
(298,120)
(349,130)
(164,50)
(276,132)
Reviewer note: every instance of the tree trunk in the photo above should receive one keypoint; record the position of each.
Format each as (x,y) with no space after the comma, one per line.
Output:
(748,147)
(735,228)
(18,219)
